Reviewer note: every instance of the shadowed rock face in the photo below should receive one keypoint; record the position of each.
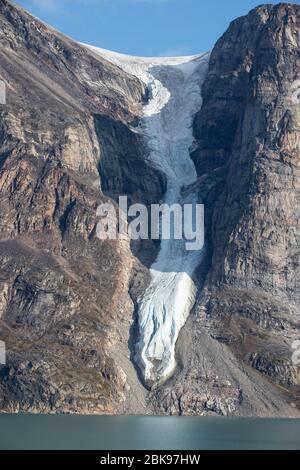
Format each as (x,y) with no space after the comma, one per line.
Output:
(67,144)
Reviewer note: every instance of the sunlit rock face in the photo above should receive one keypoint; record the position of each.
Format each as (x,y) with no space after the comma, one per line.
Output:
(65,137)
(248,132)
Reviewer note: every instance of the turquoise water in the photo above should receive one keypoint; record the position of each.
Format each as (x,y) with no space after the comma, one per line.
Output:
(65,432)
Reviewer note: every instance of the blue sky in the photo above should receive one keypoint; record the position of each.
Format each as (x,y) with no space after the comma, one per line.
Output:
(143,27)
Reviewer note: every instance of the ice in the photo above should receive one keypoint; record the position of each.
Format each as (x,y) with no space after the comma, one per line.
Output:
(174,84)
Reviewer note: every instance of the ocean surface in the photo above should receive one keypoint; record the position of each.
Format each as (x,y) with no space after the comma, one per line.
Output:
(66,432)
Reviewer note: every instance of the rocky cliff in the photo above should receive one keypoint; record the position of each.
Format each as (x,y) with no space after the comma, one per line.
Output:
(254,84)
(67,143)
(64,135)
(248,162)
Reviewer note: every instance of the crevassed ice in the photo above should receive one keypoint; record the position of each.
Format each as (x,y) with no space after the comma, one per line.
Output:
(175,96)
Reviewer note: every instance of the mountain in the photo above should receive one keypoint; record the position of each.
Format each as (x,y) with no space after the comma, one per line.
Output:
(84,319)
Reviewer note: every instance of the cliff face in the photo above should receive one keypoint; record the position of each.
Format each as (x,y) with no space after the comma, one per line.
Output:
(64,134)
(238,343)
(248,130)
(68,143)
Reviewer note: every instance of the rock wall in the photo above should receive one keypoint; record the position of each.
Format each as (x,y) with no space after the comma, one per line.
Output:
(64,293)
(67,143)
(248,129)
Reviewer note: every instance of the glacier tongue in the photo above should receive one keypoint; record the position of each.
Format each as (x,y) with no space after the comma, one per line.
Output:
(175,89)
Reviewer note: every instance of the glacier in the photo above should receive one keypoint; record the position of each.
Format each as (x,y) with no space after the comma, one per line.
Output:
(174,86)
